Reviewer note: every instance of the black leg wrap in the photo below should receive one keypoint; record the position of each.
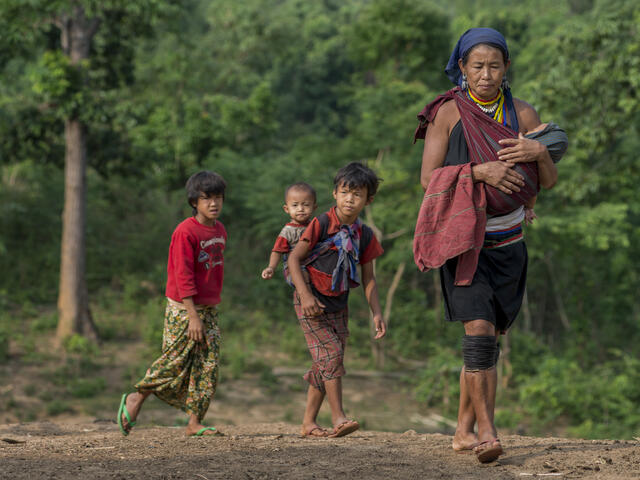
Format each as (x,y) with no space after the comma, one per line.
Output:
(479,352)
(497,353)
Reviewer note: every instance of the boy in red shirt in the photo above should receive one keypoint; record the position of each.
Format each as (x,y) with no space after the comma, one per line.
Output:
(330,249)
(186,374)
(299,204)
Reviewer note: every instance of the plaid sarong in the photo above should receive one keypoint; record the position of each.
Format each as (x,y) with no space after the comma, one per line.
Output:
(326,337)
(186,374)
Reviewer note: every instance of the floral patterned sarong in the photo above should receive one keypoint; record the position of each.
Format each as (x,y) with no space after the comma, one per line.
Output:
(186,374)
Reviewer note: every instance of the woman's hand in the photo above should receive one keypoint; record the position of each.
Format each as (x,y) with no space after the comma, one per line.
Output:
(521,150)
(500,175)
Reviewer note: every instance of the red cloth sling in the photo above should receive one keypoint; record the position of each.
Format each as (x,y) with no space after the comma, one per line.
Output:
(482,134)
(453,213)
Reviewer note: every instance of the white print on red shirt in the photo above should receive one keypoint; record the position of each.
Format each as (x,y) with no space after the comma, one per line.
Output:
(210,257)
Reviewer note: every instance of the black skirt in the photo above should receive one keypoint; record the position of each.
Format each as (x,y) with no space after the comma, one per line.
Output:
(496,291)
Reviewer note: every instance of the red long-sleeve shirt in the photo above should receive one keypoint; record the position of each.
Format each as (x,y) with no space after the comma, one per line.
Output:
(196,267)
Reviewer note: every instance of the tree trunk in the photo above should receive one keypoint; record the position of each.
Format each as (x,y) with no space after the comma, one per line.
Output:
(556,292)
(437,297)
(73,299)
(505,359)
(526,311)
(378,345)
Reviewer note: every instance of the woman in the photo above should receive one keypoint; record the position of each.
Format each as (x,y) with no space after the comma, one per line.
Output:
(483,255)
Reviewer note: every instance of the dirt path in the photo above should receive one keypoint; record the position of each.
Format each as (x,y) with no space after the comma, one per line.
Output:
(275,451)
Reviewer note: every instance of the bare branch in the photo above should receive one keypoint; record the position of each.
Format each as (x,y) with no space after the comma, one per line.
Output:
(391,292)
(93,27)
(564,318)
(369,217)
(396,234)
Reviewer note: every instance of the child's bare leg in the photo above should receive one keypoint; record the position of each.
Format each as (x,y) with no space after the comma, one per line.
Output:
(334,396)
(341,424)
(465,436)
(315,396)
(133,405)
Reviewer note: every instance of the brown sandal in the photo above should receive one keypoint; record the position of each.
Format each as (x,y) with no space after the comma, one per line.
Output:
(322,433)
(345,428)
(490,453)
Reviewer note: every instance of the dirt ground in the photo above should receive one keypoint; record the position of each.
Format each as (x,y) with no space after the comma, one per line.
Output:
(97,450)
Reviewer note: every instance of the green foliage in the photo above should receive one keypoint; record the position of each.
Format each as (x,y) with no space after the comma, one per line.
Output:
(79,345)
(598,401)
(58,83)
(439,382)
(270,94)
(4,343)
(43,322)
(86,387)
(56,407)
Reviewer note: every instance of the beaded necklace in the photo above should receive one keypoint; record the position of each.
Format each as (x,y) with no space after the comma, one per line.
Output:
(494,107)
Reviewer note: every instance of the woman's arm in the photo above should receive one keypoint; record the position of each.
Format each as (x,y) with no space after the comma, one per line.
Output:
(436,143)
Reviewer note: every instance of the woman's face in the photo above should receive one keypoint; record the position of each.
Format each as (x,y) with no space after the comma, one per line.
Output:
(484,69)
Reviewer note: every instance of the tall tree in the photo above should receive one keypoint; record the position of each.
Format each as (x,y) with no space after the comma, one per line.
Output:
(76,33)
(72,78)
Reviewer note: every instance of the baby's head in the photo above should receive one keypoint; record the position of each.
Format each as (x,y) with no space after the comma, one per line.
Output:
(300,202)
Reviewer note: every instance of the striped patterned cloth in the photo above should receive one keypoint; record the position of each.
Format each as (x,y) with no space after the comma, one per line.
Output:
(502,238)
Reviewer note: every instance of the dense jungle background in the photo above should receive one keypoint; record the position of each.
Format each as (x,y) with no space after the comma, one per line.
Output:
(269,92)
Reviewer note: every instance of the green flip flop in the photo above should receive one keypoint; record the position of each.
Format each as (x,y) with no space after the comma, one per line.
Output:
(121,410)
(200,432)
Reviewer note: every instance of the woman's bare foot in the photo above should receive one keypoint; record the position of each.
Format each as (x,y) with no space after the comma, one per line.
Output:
(464,441)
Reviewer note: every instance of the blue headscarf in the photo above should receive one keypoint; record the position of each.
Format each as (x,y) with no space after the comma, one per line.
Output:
(466,42)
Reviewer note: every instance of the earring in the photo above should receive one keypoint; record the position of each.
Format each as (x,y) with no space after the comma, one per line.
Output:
(505,83)
(464,85)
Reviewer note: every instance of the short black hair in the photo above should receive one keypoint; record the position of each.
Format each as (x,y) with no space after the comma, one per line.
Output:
(304,186)
(356,175)
(505,55)
(204,183)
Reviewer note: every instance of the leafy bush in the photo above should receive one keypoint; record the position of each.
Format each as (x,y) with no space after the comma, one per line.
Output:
(57,406)
(86,387)
(4,344)
(439,383)
(598,401)
(79,345)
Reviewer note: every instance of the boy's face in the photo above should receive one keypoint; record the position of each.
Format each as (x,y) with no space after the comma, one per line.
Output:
(350,201)
(299,205)
(209,207)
